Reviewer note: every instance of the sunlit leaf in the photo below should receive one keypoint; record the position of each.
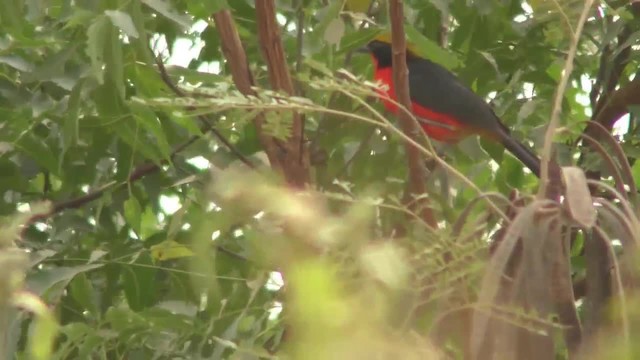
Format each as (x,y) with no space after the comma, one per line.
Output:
(97,38)
(133,213)
(430,50)
(334,31)
(170,249)
(165,8)
(123,21)
(44,280)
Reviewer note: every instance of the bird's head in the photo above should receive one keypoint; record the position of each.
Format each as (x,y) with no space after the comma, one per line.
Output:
(380,49)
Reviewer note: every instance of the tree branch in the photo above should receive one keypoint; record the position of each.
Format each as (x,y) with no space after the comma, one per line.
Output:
(619,62)
(608,105)
(417,177)
(137,174)
(242,77)
(297,161)
(618,104)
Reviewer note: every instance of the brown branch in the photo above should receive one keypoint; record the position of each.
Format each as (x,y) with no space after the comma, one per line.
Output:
(595,95)
(299,58)
(234,52)
(137,174)
(613,78)
(609,105)
(296,163)
(417,176)
(619,62)
(618,104)
(242,77)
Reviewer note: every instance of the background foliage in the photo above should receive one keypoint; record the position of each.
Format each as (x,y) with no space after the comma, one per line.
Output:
(131,229)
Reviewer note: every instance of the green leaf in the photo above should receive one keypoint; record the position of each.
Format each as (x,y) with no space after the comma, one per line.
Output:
(150,122)
(216,5)
(328,15)
(278,124)
(133,136)
(430,50)
(81,289)
(165,8)
(17,63)
(148,223)
(35,11)
(133,213)
(442,5)
(358,5)
(170,249)
(79,18)
(43,329)
(39,152)
(97,36)
(510,173)
(114,61)
(44,280)
(491,60)
(121,319)
(356,39)
(71,126)
(334,32)
(123,21)
(54,66)
(11,15)
(635,170)
(249,141)
(139,282)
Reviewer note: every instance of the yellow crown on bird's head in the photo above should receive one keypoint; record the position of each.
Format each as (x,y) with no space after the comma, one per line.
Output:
(385,38)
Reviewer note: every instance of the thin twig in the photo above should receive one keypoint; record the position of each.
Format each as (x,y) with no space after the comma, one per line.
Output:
(137,174)
(299,34)
(299,59)
(557,102)
(207,126)
(363,144)
(566,18)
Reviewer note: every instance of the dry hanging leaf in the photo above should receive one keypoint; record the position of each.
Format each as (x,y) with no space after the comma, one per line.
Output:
(579,201)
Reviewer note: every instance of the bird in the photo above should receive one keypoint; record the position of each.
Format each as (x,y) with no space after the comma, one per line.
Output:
(446,109)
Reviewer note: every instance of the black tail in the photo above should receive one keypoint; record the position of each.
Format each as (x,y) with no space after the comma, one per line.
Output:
(521,152)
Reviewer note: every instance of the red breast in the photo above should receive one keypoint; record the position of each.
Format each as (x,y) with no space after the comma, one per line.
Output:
(451,131)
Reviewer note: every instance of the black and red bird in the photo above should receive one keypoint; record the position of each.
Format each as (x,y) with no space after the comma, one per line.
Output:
(447,110)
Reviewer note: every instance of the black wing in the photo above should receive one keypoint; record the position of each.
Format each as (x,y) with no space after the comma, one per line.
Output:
(437,89)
